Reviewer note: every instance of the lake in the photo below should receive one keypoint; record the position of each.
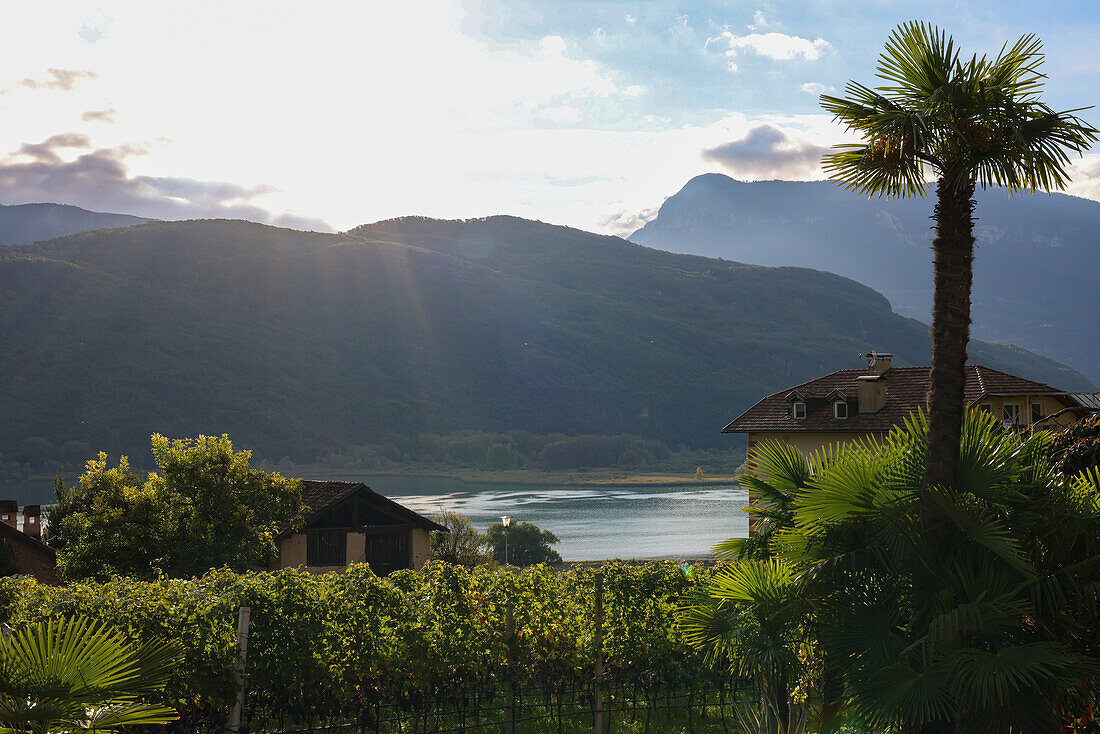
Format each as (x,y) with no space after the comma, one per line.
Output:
(593,523)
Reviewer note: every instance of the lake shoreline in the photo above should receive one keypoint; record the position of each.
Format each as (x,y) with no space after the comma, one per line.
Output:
(528,478)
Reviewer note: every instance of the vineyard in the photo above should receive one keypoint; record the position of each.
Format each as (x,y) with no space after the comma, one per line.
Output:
(443,649)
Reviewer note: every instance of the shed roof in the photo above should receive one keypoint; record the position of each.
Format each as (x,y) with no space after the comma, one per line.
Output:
(321,496)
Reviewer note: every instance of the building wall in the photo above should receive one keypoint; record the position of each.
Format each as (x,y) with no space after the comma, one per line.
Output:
(419,548)
(292,551)
(1049,405)
(357,548)
(809,442)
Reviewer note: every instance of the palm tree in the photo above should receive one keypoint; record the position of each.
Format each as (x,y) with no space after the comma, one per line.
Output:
(966,123)
(74,675)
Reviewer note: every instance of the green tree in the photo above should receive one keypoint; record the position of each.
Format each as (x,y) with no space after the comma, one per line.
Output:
(965,123)
(72,675)
(527,544)
(461,545)
(205,508)
(500,456)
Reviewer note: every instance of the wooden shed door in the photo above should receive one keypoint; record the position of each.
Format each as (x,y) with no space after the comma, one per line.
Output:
(388,552)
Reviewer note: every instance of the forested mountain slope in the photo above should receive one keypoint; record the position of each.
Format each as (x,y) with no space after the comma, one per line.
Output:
(295,342)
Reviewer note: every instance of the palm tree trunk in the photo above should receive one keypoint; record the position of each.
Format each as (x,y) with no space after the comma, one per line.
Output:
(953,251)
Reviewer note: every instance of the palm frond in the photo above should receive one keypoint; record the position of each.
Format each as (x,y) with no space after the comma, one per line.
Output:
(975,122)
(68,674)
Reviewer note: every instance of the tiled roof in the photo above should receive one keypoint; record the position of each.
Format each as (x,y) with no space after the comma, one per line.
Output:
(320,496)
(29,540)
(906,388)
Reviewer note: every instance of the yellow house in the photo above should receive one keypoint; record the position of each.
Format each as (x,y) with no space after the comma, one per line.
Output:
(348,522)
(851,404)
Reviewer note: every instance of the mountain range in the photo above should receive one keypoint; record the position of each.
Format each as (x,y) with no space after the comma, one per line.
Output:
(1035,268)
(295,343)
(26,223)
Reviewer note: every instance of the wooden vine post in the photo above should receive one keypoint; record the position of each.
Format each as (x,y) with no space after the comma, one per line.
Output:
(509,677)
(243,615)
(597,639)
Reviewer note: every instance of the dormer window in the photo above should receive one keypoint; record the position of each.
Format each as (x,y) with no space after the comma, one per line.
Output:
(840,410)
(798,410)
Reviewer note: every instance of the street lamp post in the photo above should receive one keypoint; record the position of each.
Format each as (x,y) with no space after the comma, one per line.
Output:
(507,523)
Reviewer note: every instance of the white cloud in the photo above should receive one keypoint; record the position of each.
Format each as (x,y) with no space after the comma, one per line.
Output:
(108,115)
(816,88)
(1085,175)
(628,222)
(94,29)
(759,21)
(772,45)
(67,80)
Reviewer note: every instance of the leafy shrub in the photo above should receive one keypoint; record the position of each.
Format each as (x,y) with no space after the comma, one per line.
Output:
(1078,447)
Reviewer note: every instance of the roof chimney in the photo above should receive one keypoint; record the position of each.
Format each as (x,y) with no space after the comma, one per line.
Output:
(32,521)
(871,388)
(878,362)
(9,509)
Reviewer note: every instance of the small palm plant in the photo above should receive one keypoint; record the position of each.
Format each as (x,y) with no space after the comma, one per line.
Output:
(1005,641)
(77,675)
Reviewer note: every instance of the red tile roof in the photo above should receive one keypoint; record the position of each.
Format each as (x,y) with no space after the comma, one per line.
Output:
(906,388)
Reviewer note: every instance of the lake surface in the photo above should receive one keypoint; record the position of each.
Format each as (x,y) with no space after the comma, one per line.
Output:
(593,523)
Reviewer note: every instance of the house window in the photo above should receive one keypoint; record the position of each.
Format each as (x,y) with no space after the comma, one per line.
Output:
(1010,413)
(326,547)
(840,409)
(1037,413)
(798,410)
(987,407)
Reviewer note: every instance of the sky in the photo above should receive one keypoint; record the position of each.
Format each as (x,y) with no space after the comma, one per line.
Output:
(327,115)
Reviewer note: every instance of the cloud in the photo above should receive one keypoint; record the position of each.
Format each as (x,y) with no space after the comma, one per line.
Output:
(816,88)
(108,115)
(581,180)
(93,31)
(63,79)
(553,88)
(100,179)
(772,45)
(626,223)
(759,21)
(768,152)
(1085,176)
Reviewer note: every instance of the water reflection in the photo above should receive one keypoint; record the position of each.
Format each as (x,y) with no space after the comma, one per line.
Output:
(592,523)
